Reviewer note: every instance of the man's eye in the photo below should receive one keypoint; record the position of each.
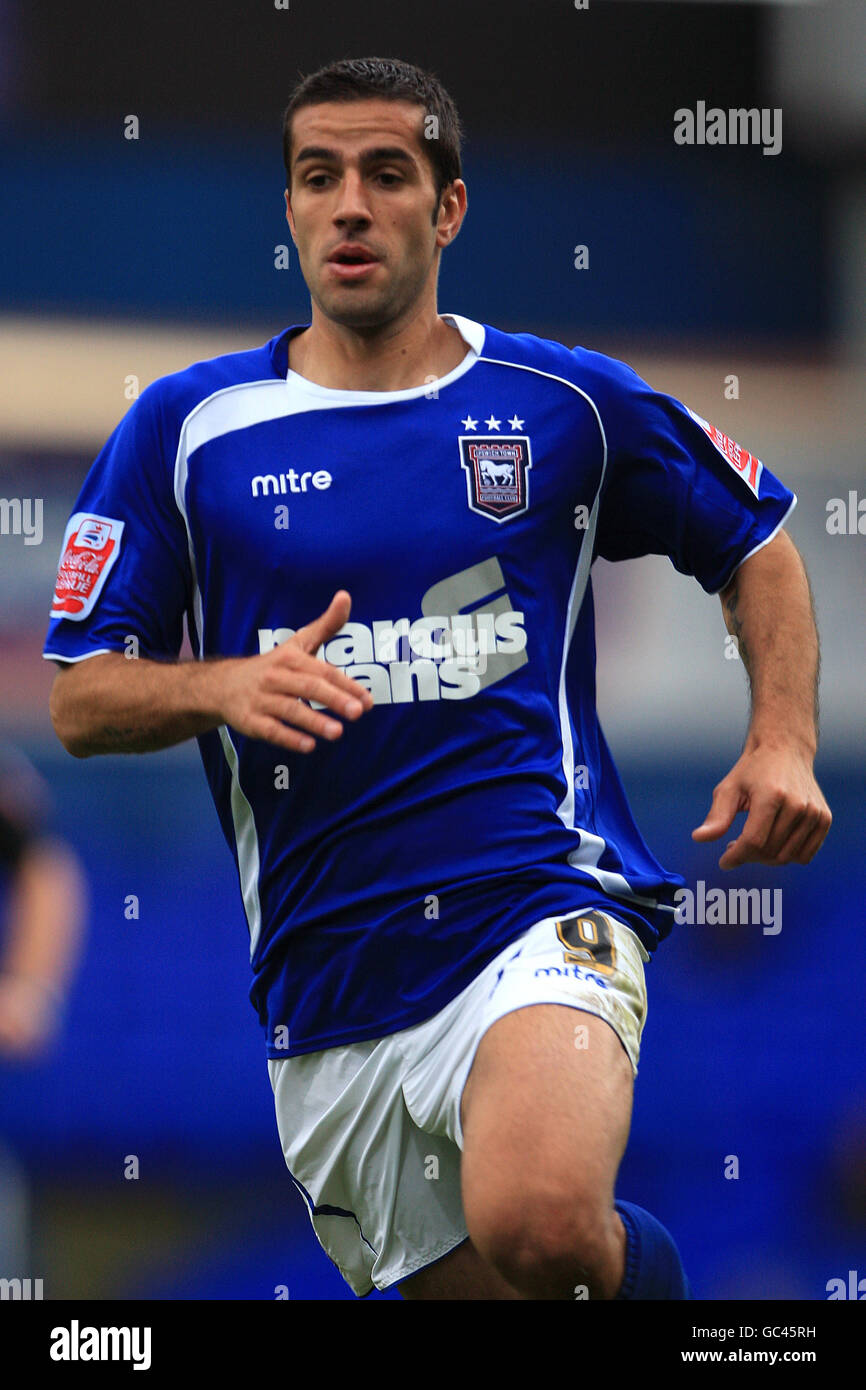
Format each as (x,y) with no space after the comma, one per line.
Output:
(394,178)
(316,180)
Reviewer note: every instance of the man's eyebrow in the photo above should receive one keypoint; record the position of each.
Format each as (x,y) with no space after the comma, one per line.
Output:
(395,152)
(392,152)
(315,152)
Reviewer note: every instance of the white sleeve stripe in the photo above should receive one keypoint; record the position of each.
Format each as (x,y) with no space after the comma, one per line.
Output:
(60,656)
(766,541)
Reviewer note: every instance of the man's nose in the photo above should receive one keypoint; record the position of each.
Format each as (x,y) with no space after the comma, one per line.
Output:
(352,202)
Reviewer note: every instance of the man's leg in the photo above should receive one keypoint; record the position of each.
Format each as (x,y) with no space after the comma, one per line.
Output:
(545,1115)
(525,1074)
(461,1274)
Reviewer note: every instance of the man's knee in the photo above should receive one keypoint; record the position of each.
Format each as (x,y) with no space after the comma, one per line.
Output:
(548,1241)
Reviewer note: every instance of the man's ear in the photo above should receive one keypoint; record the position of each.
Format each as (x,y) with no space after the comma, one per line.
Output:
(451,212)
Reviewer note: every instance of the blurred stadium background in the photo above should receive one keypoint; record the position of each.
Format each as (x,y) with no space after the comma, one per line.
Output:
(130,258)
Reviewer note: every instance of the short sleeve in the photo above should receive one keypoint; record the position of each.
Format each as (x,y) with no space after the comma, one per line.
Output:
(124,568)
(675,485)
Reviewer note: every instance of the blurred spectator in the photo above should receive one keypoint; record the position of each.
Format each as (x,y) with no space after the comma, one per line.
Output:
(42,898)
(42,901)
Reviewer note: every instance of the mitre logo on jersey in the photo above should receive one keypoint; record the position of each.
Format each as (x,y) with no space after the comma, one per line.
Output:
(469,636)
(90,547)
(497,475)
(746,464)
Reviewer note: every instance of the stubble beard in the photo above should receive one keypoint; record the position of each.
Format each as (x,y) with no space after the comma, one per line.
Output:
(360,308)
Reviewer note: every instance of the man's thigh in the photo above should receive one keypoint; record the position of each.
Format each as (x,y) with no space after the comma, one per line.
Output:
(545,1116)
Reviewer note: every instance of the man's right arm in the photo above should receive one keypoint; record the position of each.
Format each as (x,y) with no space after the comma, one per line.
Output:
(113,704)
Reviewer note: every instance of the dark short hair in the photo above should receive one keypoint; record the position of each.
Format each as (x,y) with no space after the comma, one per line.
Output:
(356,79)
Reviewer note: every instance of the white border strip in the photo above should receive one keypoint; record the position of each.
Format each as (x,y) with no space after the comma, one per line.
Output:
(766,541)
(71,660)
(590,847)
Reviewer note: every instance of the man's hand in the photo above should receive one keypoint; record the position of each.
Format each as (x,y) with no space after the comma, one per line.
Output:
(263,696)
(788,817)
(28,1016)
(108,704)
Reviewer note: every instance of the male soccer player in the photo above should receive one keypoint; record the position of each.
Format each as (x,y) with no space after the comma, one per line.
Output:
(389,516)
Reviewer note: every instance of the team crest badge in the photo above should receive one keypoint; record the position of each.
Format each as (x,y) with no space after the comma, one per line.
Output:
(497,475)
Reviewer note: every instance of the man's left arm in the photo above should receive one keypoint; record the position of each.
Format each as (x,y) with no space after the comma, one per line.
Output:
(768,608)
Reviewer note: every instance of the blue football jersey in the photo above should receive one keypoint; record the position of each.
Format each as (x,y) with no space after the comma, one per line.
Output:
(381,872)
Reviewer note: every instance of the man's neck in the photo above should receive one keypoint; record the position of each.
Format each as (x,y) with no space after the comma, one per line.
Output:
(392,359)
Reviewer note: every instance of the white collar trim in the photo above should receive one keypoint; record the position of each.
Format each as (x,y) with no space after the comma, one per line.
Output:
(472,334)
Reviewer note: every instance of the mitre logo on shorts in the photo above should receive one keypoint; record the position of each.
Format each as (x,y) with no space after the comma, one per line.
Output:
(90,547)
(746,464)
(497,475)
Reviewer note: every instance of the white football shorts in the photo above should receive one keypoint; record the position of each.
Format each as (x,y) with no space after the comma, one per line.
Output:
(371,1130)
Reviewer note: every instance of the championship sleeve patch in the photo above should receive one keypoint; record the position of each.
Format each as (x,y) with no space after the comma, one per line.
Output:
(90,547)
(748,467)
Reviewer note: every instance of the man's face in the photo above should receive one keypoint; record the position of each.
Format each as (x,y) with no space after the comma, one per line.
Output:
(362,185)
